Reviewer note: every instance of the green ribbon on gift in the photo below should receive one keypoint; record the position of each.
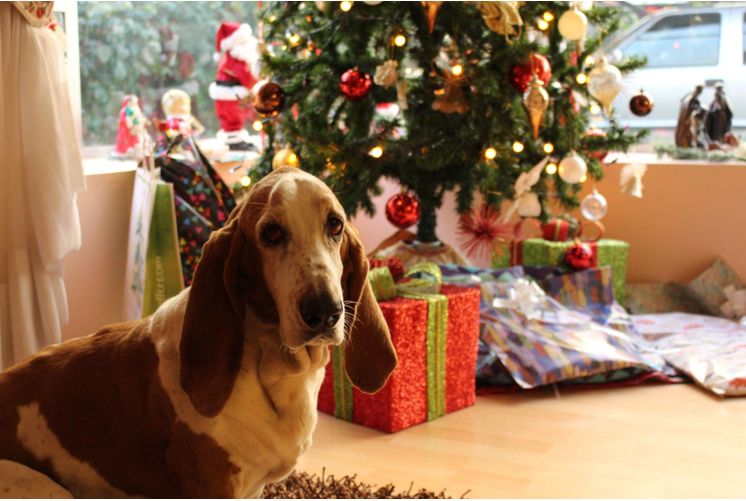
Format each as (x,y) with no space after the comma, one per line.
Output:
(342,385)
(423,284)
(424,278)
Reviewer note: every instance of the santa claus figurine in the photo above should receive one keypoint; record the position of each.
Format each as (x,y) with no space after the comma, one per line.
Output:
(238,54)
(131,124)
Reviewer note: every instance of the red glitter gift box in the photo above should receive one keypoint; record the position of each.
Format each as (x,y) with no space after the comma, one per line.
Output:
(424,385)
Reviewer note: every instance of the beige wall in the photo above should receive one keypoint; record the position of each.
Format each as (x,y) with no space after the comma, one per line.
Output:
(690,214)
(94,276)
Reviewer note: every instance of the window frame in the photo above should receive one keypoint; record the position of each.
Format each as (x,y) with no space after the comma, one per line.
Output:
(70,10)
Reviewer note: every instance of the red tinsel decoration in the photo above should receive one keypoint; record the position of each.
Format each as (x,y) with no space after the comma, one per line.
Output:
(481,232)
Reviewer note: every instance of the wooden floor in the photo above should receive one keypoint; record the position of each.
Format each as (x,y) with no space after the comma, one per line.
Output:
(645,441)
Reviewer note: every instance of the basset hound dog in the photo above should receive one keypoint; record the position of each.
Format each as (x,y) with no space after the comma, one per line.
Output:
(214,395)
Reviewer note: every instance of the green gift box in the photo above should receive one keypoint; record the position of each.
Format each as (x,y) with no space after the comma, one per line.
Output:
(540,252)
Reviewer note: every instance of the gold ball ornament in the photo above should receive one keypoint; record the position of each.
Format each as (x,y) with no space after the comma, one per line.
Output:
(604,83)
(284,157)
(572,168)
(573,24)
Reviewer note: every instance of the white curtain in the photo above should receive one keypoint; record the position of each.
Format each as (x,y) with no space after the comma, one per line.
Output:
(40,172)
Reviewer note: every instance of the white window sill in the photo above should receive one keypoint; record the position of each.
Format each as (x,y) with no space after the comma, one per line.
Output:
(96,159)
(652,159)
(101,165)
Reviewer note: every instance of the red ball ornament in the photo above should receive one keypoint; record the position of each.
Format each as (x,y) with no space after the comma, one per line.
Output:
(579,256)
(520,75)
(594,132)
(355,85)
(403,210)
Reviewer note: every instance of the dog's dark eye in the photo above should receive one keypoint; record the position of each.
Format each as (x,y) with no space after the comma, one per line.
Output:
(272,233)
(334,226)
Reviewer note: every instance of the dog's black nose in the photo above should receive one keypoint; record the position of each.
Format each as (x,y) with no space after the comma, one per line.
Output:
(321,312)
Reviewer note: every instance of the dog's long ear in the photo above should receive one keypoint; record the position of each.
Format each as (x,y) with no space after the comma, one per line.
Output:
(211,345)
(369,354)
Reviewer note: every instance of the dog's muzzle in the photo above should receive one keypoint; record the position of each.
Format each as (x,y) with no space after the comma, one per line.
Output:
(321,313)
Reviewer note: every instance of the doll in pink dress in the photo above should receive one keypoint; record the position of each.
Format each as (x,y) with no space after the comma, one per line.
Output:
(131,124)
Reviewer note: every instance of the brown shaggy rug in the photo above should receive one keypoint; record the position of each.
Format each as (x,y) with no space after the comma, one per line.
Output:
(301,485)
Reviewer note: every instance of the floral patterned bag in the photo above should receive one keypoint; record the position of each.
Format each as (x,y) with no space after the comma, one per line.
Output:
(202,200)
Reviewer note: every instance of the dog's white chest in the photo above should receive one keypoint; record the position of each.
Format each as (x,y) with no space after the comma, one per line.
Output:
(268,451)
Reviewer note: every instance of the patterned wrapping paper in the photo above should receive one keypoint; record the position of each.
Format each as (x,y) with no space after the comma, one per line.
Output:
(708,287)
(564,344)
(704,295)
(711,350)
(455,274)
(406,400)
(661,298)
(590,292)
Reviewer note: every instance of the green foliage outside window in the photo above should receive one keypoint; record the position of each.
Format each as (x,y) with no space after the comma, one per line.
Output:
(146,48)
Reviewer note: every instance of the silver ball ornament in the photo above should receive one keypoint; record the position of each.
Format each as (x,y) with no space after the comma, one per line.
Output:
(594,206)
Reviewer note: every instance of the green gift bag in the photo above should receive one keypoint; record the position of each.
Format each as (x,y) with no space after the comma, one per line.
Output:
(153,271)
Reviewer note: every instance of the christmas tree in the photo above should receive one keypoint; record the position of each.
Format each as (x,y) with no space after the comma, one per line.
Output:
(484,90)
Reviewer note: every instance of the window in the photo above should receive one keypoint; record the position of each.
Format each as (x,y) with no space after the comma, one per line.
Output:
(744,39)
(146,48)
(679,41)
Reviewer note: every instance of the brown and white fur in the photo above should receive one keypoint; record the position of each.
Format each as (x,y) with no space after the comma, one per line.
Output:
(215,394)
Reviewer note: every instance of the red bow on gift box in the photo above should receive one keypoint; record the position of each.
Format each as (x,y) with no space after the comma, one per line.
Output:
(584,254)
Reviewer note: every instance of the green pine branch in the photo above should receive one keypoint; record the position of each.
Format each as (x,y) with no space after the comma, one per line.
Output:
(426,151)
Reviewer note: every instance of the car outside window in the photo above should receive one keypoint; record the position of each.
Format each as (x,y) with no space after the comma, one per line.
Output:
(679,41)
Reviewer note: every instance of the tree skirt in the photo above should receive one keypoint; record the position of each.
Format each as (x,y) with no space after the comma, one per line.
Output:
(301,485)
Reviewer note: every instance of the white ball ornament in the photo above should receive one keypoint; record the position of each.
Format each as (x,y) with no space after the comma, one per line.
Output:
(573,24)
(529,205)
(583,4)
(321,5)
(572,168)
(372,2)
(604,83)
